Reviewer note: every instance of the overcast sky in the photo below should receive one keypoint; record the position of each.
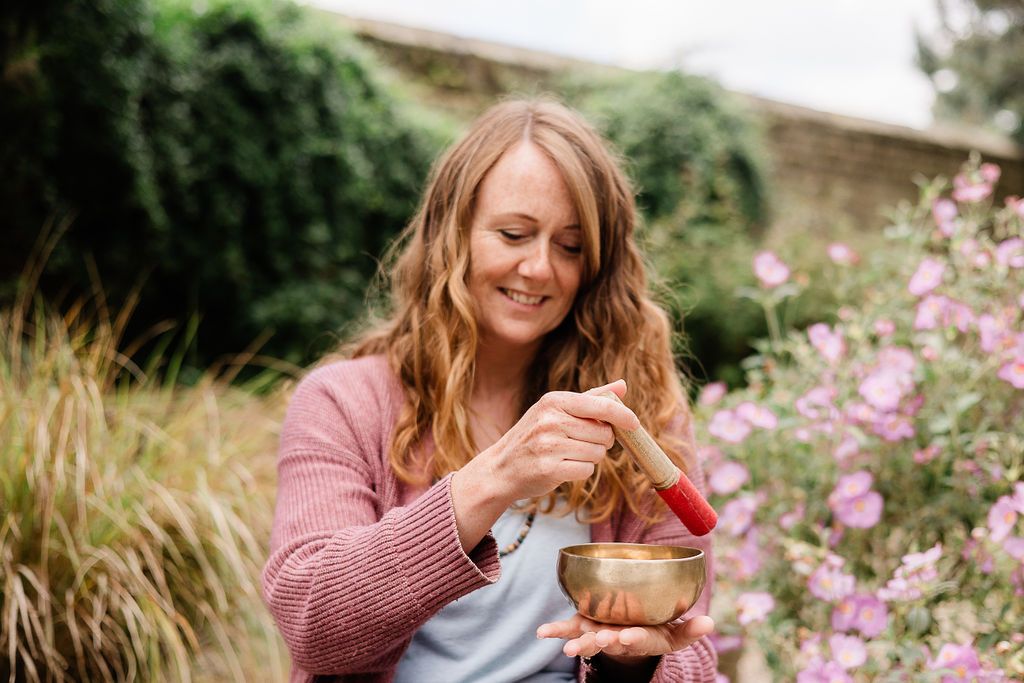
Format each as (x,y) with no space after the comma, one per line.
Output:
(853,57)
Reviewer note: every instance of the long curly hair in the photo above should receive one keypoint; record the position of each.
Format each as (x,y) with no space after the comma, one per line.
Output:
(613,330)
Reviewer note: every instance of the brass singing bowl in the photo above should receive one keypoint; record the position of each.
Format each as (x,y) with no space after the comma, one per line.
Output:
(631,584)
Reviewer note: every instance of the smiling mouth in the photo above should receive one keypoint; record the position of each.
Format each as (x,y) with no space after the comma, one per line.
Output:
(521,298)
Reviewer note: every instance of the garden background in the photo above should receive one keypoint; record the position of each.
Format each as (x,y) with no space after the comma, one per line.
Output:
(195,201)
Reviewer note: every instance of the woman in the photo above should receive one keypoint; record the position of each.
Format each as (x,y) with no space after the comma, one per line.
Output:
(427,482)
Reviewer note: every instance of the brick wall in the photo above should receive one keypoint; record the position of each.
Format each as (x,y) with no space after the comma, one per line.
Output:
(826,169)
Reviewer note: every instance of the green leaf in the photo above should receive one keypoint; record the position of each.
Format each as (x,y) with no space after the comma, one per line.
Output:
(967,401)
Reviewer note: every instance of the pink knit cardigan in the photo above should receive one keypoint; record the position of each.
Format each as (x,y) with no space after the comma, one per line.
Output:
(358,560)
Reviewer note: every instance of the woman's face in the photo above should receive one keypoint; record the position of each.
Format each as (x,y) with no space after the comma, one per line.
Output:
(525,249)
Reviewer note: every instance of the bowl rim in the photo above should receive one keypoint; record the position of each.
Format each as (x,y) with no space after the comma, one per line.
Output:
(569,551)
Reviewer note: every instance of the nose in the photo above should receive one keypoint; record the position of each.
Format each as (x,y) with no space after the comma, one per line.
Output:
(536,264)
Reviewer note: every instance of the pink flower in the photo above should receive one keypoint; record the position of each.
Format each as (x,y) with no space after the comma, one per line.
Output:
(848,651)
(829,583)
(882,390)
(861,413)
(967,191)
(1013,372)
(829,343)
(962,660)
(1014,547)
(820,671)
(728,478)
(852,485)
(927,277)
(862,512)
(960,315)
(944,212)
(990,173)
(770,270)
(756,415)
(748,560)
(753,607)
(712,393)
(926,455)
(930,312)
(789,519)
(884,327)
(993,330)
(842,255)
(893,427)
(1001,518)
(816,403)
(738,515)
(922,560)
(871,616)
(861,611)
(728,426)
(847,448)
(898,359)
(913,576)
(1016,204)
(1011,253)
(844,612)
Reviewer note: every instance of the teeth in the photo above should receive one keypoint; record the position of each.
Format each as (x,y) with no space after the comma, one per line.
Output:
(522,298)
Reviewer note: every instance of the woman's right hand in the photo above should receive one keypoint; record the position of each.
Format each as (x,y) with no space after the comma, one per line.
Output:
(562,437)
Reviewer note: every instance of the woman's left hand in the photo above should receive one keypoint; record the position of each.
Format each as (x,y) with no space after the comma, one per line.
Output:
(587,638)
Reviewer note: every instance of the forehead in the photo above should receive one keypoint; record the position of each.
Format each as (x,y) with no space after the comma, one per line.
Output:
(525,180)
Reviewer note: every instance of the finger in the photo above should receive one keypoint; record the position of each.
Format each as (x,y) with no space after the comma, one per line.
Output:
(606,638)
(584,646)
(590,431)
(575,470)
(634,638)
(569,628)
(691,630)
(599,408)
(618,387)
(585,452)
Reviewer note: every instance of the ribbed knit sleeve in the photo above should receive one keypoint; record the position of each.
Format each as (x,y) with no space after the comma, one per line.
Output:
(697,663)
(351,575)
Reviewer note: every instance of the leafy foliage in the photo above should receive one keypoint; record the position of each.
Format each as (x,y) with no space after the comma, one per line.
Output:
(977,64)
(241,161)
(869,475)
(697,163)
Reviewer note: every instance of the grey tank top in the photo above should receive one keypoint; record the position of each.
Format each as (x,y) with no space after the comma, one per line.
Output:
(489,636)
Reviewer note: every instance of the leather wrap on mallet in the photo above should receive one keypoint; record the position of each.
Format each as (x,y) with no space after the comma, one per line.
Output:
(674,487)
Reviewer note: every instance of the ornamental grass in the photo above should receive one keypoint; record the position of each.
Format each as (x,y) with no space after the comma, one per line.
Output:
(133,512)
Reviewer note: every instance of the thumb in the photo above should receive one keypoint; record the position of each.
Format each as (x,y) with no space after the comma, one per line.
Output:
(618,387)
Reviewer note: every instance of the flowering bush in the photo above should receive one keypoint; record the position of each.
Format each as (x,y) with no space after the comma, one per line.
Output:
(868,479)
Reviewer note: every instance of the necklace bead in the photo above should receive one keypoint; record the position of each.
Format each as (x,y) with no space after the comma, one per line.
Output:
(520,537)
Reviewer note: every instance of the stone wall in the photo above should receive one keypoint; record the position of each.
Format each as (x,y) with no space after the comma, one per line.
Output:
(826,169)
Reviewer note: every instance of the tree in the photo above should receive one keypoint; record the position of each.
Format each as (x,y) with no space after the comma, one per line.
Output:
(976,62)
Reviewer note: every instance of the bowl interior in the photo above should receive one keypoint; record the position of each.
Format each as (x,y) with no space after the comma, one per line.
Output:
(633,551)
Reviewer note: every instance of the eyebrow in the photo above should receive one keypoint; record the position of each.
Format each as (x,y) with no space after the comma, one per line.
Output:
(528,217)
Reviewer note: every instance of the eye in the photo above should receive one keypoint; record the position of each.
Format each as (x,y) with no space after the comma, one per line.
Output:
(511,236)
(572,248)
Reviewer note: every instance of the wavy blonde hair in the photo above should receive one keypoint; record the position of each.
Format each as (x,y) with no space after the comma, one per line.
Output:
(613,330)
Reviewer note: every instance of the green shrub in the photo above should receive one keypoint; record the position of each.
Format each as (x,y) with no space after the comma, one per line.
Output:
(869,477)
(242,161)
(696,160)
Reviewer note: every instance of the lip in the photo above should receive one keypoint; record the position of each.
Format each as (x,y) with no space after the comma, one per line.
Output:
(505,290)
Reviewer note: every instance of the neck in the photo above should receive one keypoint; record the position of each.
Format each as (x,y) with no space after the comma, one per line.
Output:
(501,372)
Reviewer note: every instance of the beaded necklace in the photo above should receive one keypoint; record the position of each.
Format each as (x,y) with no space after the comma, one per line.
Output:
(520,537)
